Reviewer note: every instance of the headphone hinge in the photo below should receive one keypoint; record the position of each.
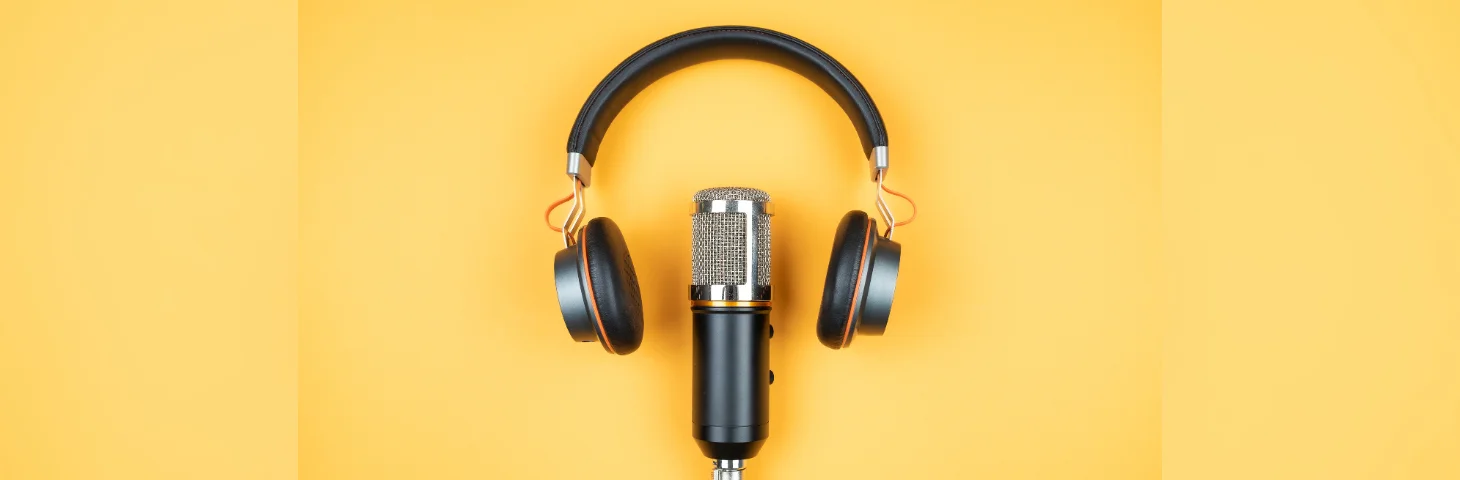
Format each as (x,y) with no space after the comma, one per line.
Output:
(579,168)
(877,161)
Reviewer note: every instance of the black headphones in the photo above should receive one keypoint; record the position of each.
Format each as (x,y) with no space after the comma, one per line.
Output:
(598,291)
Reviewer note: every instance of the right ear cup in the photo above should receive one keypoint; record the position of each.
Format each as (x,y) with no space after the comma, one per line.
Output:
(598,290)
(860,281)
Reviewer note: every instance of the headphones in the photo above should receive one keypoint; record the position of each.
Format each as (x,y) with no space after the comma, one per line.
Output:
(597,288)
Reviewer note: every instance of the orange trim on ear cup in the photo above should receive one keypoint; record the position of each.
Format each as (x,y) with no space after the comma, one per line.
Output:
(857,290)
(592,298)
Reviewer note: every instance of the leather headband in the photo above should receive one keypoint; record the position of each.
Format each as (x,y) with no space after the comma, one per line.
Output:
(714,43)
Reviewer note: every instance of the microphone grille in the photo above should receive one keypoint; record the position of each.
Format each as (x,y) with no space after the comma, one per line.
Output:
(719,253)
(732,193)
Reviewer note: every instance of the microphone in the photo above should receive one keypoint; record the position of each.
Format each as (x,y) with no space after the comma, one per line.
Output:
(730,295)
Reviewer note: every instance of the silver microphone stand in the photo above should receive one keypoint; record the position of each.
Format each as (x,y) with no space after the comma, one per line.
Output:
(728,469)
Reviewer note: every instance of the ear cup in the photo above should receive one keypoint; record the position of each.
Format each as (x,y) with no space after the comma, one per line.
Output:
(886,259)
(846,279)
(573,294)
(613,288)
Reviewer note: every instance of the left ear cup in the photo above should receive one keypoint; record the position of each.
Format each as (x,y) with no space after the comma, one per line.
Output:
(860,281)
(598,290)
(845,279)
(613,287)
(572,289)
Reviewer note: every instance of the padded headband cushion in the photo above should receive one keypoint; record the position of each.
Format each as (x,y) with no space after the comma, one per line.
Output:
(615,287)
(846,279)
(713,43)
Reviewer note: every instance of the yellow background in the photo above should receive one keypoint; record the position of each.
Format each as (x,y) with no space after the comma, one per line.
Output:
(148,240)
(1311,215)
(1205,242)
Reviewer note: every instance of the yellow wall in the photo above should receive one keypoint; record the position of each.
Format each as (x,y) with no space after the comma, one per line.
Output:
(1311,208)
(255,241)
(148,240)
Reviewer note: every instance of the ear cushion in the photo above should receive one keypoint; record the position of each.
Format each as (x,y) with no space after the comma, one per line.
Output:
(846,279)
(613,287)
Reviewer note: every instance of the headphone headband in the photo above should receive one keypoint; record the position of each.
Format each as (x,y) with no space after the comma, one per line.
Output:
(714,43)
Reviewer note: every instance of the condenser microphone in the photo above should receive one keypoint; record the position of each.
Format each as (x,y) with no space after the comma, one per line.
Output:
(730,296)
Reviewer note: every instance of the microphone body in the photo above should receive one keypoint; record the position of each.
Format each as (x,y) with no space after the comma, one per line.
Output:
(732,365)
(730,298)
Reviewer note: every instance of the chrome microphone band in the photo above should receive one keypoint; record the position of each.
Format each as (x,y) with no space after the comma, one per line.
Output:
(754,293)
(728,303)
(732,206)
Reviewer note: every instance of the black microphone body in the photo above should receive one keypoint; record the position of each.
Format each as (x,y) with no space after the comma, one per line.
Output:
(732,376)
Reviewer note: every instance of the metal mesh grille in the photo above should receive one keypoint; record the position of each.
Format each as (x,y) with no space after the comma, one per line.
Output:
(718,254)
(763,249)
(719,249)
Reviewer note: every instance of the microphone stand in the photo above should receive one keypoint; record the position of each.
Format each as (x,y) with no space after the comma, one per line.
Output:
(728,469)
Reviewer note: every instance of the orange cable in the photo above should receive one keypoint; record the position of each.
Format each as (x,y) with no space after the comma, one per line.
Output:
(547,216)
(909,201)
